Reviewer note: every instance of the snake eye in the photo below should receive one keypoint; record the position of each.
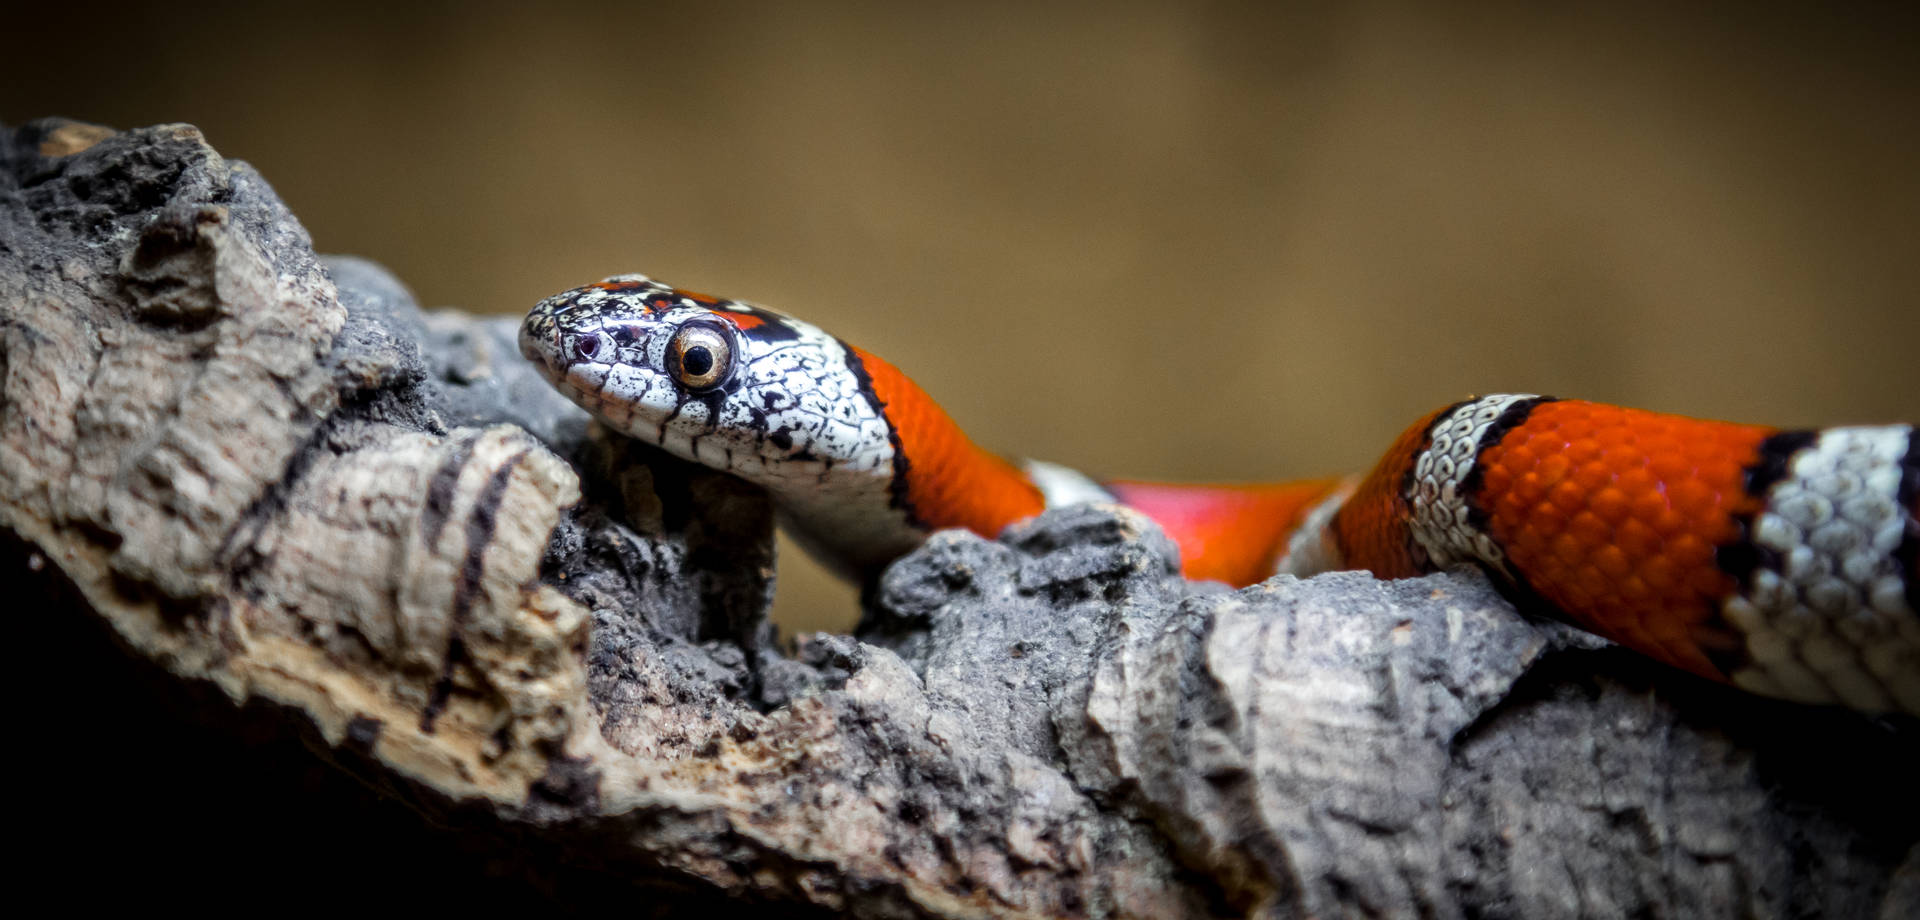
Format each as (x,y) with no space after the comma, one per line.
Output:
(700,356)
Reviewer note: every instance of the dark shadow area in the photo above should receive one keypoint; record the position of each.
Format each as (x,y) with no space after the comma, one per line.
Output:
(150,793)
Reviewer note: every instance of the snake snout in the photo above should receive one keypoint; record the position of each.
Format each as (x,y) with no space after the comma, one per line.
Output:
(541,339)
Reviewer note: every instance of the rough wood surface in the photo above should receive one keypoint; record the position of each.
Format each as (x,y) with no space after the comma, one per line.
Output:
(296,503)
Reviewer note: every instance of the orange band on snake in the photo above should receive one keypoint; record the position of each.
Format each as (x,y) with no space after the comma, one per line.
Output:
(1779,561)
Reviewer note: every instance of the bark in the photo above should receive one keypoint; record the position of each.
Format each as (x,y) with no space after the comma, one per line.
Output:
(251,495)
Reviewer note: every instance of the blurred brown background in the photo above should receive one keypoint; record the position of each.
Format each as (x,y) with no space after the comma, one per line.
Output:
(1195,241)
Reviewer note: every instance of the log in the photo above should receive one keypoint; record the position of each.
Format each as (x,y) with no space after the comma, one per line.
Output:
(320,586)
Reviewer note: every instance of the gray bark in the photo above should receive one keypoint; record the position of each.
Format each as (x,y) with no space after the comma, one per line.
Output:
(249,493)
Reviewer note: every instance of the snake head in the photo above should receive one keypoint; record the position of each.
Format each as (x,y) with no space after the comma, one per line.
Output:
(631,348)
(723,383)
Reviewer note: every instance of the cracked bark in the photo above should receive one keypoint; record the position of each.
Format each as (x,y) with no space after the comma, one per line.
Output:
(252,495)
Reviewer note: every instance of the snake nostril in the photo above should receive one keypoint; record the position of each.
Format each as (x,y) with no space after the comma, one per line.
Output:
(586,346)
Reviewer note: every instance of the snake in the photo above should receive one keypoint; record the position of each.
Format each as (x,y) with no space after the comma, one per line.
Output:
(1780,561)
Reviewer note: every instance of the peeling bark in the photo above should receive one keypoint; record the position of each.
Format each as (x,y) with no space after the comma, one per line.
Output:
(299,507)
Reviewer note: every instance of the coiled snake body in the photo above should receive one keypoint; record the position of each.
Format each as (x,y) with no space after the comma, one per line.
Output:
(1780,561)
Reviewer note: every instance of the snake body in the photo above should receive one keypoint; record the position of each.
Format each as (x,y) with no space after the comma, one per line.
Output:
(1781,561)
